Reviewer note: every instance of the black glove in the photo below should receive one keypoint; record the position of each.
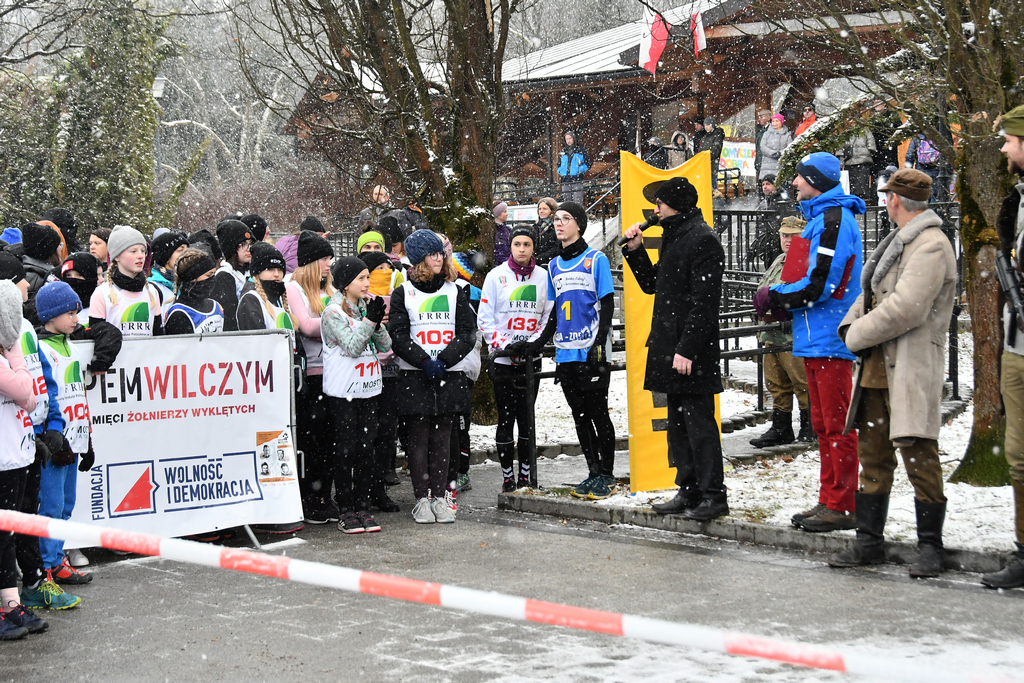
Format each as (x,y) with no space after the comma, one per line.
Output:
(43,454)
(53,440)
(517,348)
(435,369)
(375,310)
(64,456)
(596,354)
(88,460)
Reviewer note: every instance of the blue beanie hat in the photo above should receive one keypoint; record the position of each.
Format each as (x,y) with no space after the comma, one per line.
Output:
(422,243)
(56,298)
(821,170)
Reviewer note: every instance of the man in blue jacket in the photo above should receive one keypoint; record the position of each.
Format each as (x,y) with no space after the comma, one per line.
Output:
(572,164)
(818,302)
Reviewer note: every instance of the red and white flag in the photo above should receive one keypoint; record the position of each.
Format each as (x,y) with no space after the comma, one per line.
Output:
(653,41)
(699,41)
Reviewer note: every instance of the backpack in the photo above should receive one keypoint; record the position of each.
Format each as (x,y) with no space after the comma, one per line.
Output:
(927,154)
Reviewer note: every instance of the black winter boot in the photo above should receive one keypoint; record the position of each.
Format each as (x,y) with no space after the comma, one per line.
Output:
(806,434)
(930,517)
(872,511)
(1010,576)
(780,433)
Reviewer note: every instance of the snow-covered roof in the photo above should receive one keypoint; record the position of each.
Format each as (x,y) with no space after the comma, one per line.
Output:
(597,53)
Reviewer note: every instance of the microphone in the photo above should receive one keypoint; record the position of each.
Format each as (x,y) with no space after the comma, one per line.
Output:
(653,220)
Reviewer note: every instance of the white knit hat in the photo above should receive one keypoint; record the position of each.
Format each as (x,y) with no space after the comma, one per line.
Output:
(121,238)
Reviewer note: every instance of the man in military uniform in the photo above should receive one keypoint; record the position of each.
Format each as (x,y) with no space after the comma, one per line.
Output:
(1010,225)
(784,374)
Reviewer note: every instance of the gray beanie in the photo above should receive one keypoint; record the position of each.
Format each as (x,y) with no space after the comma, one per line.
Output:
(121,238)
(10,314)
(710,121)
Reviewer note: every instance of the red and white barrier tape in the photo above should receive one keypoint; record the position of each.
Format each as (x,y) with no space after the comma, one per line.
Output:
(483,602)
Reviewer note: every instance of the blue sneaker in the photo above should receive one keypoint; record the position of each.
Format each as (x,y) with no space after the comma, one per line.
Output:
(48,595)
(599,490)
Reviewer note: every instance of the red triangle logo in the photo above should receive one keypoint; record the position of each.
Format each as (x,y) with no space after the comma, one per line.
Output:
(140,495)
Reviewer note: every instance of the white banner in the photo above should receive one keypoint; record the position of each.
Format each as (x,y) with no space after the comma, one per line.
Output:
(192,434)
(738,155)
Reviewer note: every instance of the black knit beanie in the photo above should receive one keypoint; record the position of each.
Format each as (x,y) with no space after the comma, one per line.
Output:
(389,228)
(85,264)
(257,225)
(41,241)
(204,240)
(576,211)
(166,244)
(312,223)
(312,247)
(11,268)
(231,234)
(523,230)
(265,257)
(345,270)
(64,220)
(677,193)
(372,259)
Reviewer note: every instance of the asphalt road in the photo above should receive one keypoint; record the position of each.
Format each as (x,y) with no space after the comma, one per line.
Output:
(145,619)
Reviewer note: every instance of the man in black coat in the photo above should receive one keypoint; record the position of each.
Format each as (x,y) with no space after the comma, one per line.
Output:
(682,349)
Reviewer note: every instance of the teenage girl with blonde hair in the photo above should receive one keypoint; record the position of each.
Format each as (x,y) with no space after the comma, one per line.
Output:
(126,299)
(310,289)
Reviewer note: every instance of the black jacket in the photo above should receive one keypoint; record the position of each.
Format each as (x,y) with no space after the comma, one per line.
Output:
(416,394)
(687,288)
(713,142)
(224,294)
(548,245)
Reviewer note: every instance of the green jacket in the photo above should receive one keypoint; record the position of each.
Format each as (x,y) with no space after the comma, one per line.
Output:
(773,276)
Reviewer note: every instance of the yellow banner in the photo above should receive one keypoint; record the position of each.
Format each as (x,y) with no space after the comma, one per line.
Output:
(648,445)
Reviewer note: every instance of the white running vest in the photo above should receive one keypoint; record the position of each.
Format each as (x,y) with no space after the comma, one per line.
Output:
(30,349)
(134,312)
(431,319)
(68,365)
(274,317)
(348,377)
(517,306)
(17,439)
(225,267)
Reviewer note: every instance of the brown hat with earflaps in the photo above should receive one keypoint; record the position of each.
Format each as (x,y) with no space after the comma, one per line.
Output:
(910,183)
(792,225)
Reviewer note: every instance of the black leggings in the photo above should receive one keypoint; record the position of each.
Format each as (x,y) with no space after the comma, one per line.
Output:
(315,439)
(588,401)
(513,408)
(385,447)
(459,456)
(429,453)
(30,560)
(12,489)
(354,424)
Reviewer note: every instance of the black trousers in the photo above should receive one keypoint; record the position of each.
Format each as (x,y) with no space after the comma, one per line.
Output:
(510,397)
(385,446)
(695,446)
(12,490)
(354,423)
(458,459)
(586,391)
(429,453)
(315,439)
(30,560)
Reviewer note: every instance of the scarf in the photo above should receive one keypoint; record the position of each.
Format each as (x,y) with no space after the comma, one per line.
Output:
(573,250)
(129,284)
(522,271)
(890,250)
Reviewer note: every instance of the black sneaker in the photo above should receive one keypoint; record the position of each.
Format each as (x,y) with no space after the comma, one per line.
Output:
(368,522)
(382,501)
(331,510)
(509,485)
(316,512)
(10,630)
(20,616)
(351,524)
(391,479)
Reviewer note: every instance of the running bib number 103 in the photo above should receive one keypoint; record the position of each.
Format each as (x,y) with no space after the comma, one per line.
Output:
(435,337)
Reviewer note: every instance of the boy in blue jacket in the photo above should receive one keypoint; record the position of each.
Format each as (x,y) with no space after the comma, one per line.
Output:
(818,302)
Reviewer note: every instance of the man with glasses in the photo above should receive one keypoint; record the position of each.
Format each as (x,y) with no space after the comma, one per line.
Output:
(580,284)
(810,118)
(682,349)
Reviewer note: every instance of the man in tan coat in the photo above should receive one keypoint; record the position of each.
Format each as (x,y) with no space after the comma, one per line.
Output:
(897,327)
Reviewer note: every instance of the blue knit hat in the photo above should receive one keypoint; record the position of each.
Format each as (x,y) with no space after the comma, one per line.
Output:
(821,170)
(55,298)
(421,244)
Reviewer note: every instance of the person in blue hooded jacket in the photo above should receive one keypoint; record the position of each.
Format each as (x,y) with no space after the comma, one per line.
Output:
(572,164)
(818,302)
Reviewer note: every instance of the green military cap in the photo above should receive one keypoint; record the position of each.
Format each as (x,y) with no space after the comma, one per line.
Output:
(792,225)
(1013,121)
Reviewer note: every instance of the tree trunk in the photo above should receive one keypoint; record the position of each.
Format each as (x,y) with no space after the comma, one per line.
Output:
(984,463)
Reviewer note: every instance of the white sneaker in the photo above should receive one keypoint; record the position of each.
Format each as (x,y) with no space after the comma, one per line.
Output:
(443,514)
(77,559)
(423,512)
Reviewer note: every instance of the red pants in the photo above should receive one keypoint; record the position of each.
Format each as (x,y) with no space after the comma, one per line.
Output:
(829,384)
